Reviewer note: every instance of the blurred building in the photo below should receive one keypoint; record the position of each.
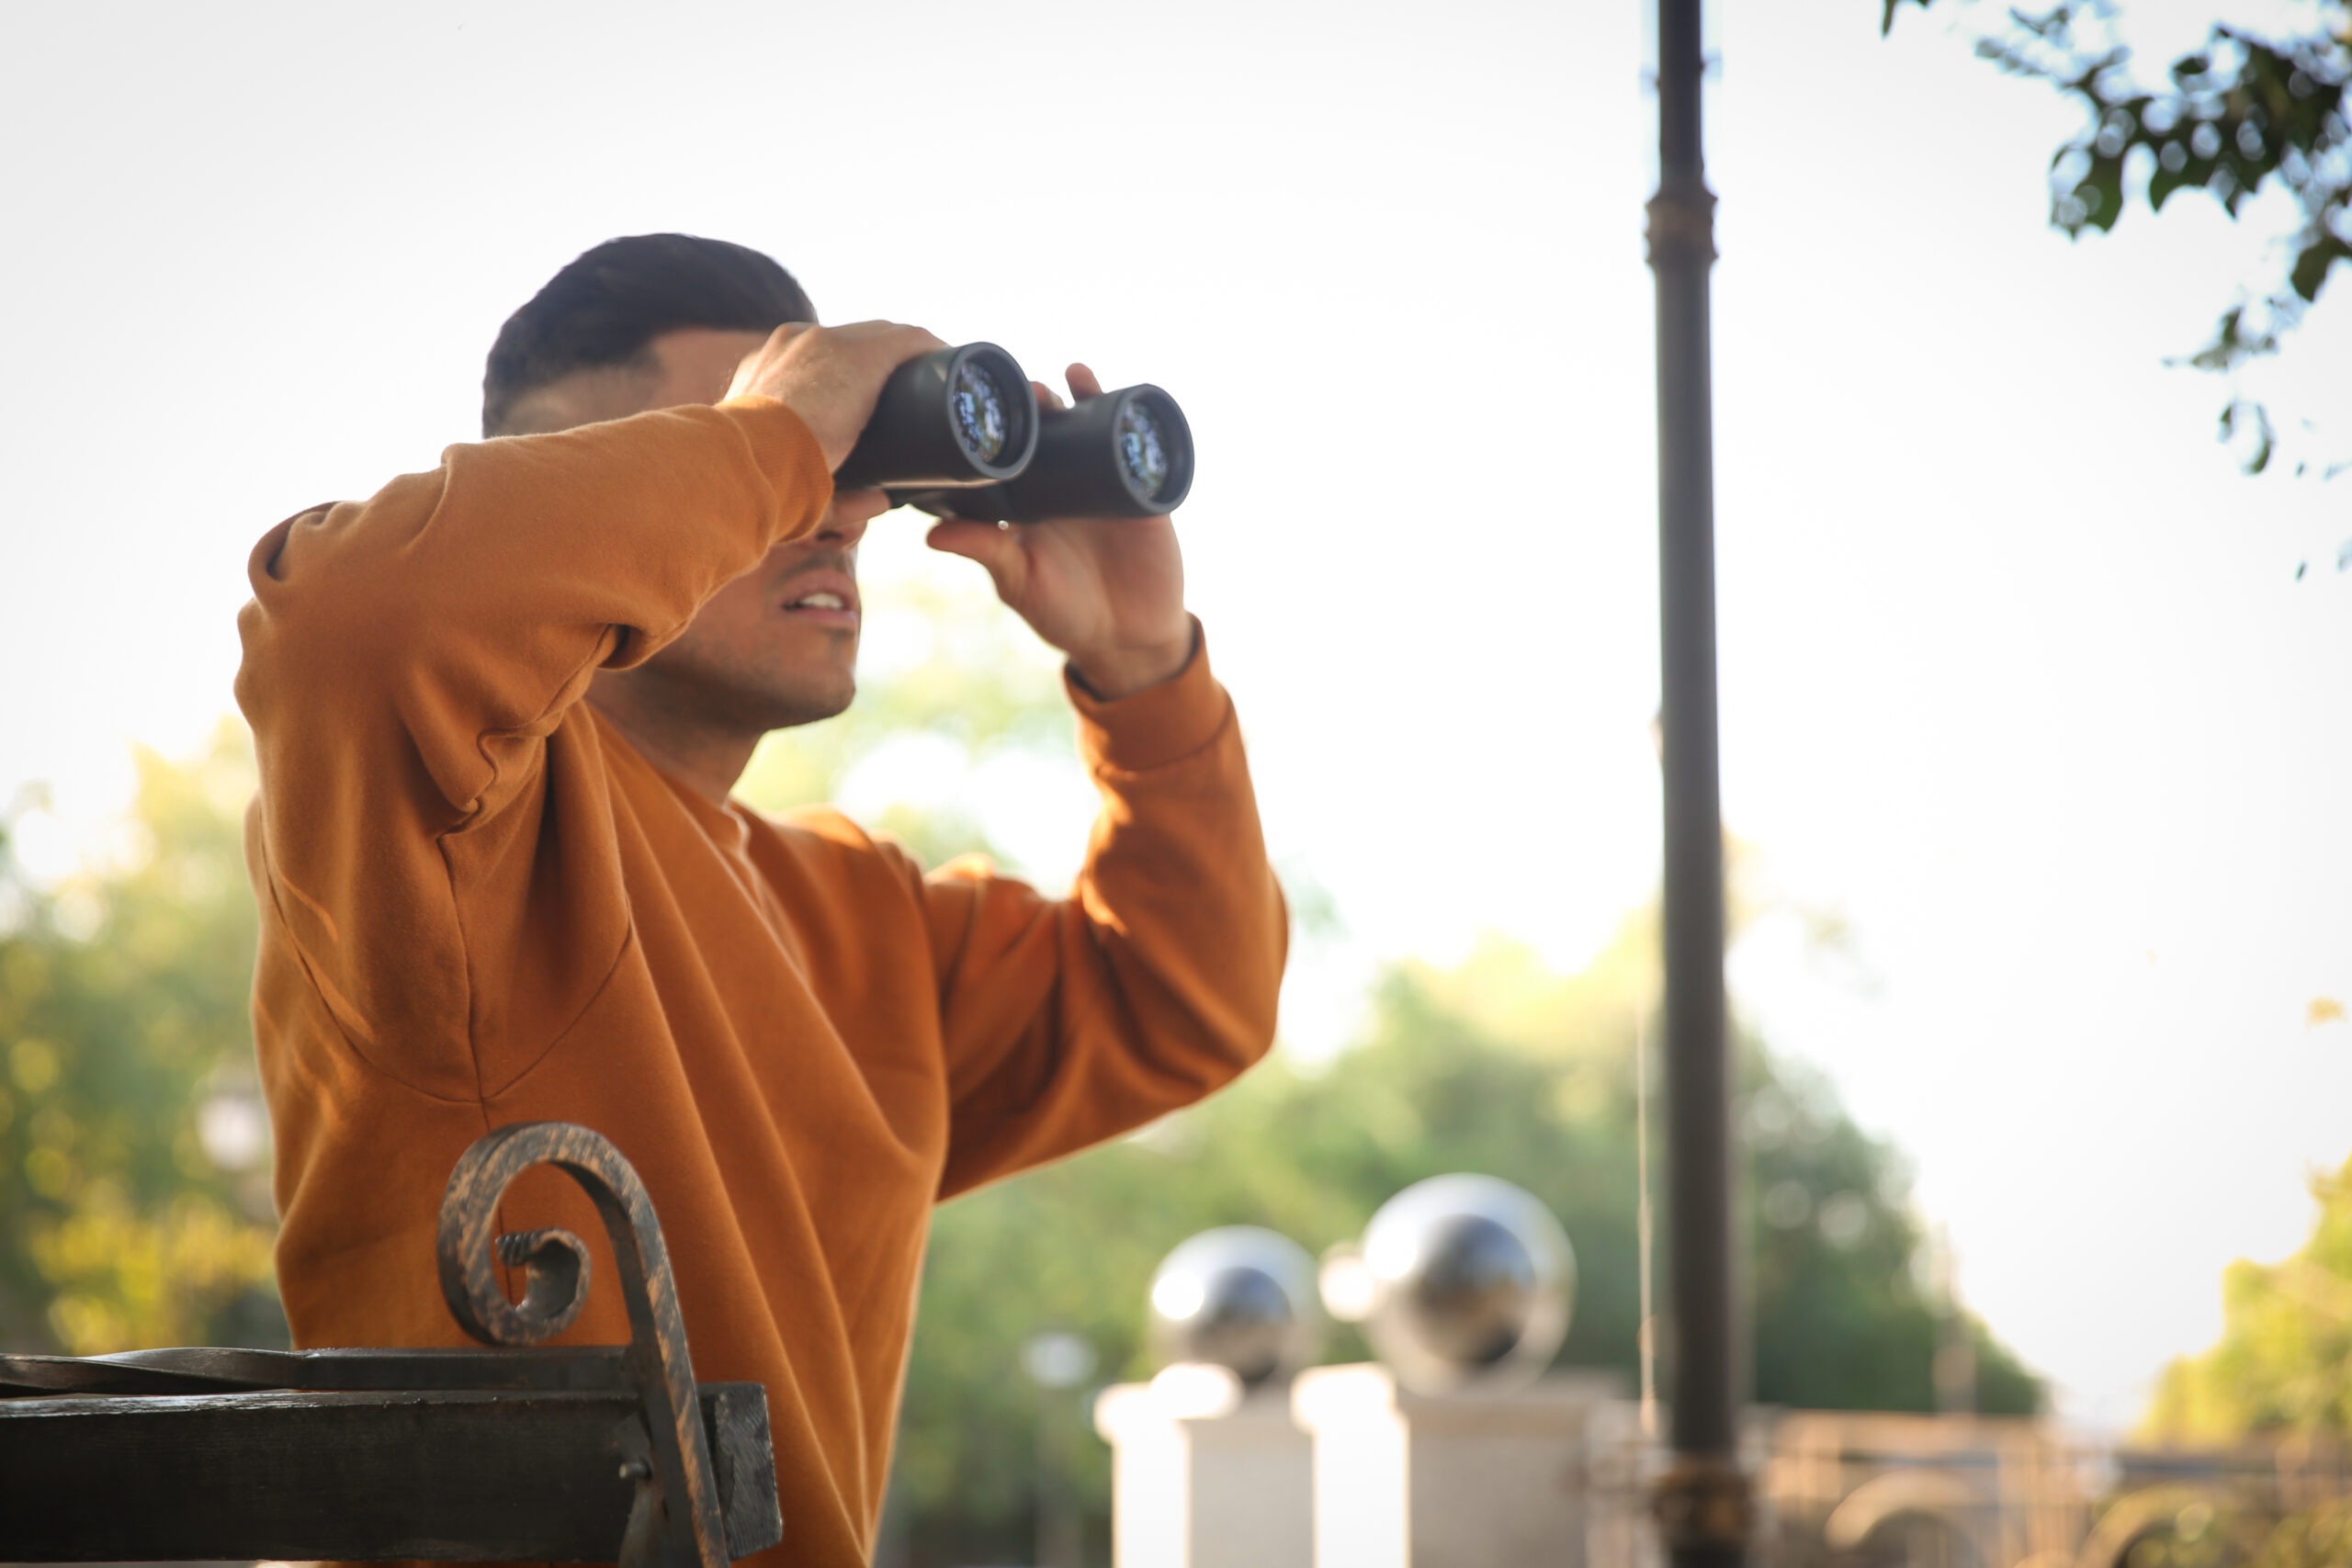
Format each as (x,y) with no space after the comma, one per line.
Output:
(1860,1491)
(1559,1475)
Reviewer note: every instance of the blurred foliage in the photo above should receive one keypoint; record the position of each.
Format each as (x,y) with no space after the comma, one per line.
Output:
(2284,1360)
(1498,1065)
(2196,1529)
(123,1040)
(977,687)
(2241,112)
(2320,1536)
(135,1218)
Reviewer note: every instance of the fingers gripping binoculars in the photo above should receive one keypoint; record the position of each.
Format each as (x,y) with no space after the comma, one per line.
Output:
(959,433)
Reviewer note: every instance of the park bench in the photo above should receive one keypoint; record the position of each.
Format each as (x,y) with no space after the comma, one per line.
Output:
(602,1453)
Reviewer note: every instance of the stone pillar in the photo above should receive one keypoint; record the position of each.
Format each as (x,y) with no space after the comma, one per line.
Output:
(1206,1476)
(1471,1480)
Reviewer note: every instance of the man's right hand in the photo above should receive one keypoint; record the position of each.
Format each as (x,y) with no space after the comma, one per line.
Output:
(829,376)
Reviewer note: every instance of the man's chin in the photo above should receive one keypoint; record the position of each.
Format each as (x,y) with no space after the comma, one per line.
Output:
(811,704)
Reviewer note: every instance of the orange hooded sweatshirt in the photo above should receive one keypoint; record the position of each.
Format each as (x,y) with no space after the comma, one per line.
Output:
(480,906)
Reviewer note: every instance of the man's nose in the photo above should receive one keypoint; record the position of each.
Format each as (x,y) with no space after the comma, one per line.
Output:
(852,510)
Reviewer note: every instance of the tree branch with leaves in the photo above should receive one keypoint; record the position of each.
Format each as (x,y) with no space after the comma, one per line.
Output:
(2242,112)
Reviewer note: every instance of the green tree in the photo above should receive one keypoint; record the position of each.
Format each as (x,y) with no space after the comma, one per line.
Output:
(981,690)
(2283,1365)
(123,1035)
(2284,1360)
(130,1142)
(2242,112)
(1498,1065)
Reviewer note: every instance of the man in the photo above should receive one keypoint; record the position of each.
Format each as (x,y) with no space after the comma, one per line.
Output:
(499,708)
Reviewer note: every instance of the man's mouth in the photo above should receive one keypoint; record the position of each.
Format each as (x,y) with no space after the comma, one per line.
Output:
(827,598)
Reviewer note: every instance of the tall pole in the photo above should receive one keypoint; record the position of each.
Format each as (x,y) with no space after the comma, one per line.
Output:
(1702,1499)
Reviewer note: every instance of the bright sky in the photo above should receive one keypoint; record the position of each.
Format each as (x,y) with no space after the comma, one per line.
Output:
(2016,674)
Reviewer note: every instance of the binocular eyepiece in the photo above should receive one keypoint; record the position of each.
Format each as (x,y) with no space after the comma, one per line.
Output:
(958,433)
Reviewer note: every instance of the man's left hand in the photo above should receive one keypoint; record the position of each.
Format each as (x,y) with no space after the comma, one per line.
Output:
(1108,592)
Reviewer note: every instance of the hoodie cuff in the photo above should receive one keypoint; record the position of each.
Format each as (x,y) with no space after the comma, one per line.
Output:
(1157,726)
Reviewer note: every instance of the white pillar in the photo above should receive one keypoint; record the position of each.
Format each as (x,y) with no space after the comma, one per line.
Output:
(1471,1480)
(1204,1476)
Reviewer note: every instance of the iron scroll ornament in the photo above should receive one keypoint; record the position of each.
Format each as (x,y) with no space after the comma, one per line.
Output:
(677,1491)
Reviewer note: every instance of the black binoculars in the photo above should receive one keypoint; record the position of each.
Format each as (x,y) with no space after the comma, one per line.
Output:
(958,433)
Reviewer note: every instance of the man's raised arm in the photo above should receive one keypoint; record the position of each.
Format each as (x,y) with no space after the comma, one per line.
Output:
(408,657)
(456,614)
(1068,1022)
(438,630)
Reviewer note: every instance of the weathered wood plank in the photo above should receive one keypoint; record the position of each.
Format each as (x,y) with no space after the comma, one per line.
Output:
(360,1476)
(599,1369)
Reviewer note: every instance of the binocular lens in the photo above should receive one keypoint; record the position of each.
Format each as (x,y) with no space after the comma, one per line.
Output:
(1141,448)
(958,416)
(982,424)
(1124,453)
(956,432)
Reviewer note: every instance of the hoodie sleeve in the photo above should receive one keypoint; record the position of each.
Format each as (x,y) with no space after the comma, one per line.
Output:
(1068,1022)
(407,656)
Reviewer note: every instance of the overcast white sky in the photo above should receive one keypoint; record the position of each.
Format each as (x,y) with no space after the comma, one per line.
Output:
(2016,673)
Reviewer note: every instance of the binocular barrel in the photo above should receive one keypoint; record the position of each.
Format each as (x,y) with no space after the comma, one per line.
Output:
(958,433)
(1125,453)
(960,416)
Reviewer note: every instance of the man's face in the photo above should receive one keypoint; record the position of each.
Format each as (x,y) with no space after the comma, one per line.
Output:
(777,647)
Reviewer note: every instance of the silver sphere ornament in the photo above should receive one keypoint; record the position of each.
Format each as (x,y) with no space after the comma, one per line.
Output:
(1470,1281)
(1238,1297)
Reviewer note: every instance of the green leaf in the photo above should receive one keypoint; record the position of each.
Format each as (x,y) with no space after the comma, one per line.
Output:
(2101,192)
(2311,265)
(2163,182)
(2265,441)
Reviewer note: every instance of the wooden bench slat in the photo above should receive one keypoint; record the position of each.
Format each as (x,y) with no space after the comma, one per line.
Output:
(596,1369)
(438,1475)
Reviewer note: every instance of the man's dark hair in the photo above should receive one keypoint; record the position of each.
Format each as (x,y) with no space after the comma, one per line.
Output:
(607,306)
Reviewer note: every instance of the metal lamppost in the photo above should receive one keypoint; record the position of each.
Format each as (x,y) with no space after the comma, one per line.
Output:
(1703,1500)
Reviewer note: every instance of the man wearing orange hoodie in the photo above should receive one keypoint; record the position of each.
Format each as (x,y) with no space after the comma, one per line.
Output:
(499,709)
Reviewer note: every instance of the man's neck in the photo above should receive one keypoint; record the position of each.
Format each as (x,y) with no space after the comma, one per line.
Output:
(706,758)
